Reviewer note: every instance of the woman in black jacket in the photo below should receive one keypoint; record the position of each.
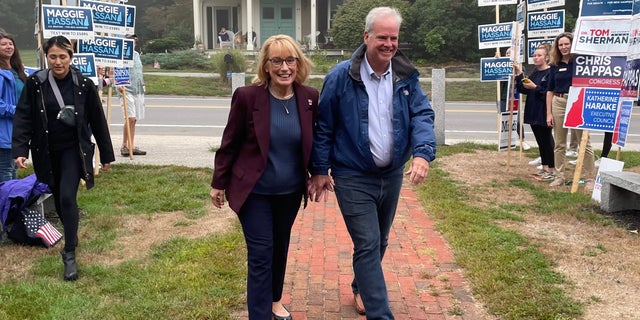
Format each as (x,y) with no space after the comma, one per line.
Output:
(57,113)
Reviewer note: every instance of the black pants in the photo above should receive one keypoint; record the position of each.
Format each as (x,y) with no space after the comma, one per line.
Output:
(544,138)
(67,169)
(266,222)
(606,144)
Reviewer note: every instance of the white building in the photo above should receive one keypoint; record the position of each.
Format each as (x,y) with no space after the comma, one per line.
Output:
(296,18)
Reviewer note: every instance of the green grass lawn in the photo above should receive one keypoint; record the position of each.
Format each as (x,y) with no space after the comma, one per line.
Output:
(203,278)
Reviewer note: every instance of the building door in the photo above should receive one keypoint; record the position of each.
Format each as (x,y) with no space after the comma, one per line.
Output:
(277,17)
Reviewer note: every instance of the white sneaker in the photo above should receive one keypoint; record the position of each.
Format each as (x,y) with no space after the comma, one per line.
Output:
(539,167)
(597,163)
(573,162)
(525,146)
(572,154)
(535,161)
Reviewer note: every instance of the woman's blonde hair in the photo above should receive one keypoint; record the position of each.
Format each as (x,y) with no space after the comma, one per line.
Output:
(282,43)
(555,56)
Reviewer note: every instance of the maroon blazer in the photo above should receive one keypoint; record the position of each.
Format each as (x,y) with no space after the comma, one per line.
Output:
(242,157)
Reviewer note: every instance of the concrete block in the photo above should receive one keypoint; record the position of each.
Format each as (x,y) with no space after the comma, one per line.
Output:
(620,191)
(237,80)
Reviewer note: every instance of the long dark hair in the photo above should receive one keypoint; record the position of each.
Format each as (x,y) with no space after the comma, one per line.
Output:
(15,62)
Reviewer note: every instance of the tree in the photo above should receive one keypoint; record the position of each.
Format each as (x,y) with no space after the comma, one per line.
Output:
(446,30)
(348,24)
(18,17)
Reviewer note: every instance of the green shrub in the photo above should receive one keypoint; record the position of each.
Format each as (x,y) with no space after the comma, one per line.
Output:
(163,45)
(238,62)
(321,62)
(179,60)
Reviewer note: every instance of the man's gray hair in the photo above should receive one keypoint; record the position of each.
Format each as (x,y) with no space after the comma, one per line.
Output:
(378,12)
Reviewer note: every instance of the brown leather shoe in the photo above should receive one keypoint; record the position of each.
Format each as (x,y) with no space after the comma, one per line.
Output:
(357,303)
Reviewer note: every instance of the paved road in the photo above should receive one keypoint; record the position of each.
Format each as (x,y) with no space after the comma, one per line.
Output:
(183,130)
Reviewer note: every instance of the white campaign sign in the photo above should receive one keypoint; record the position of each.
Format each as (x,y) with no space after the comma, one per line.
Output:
(606,164)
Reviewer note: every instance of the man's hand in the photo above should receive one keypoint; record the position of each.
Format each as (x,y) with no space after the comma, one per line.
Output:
(319,187)
(418,170)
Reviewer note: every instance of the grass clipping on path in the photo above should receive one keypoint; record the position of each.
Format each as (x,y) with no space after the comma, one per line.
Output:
(529,250)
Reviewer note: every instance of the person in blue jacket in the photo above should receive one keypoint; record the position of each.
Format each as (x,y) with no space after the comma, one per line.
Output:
(12,80)
(372,118)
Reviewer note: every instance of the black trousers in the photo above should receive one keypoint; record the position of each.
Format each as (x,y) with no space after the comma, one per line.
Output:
(546,144)
(67,171)
(606,144)
(266,222)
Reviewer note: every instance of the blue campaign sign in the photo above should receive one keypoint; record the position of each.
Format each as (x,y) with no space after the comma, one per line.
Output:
(495,35)
(533,5)
(108,17)
(636,7)
(630,80)
(545,24)
(592,108)
(107,50)
(85,62)
(483,3)
(127,52)
(122,76)
(71,22)
(622,123)
(495,69)
(532,45)
(130,20)
(605,7)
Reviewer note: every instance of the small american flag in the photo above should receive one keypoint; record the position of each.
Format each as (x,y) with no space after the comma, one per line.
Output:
(38,226)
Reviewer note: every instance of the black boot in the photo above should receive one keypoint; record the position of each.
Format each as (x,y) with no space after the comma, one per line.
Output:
(70,266)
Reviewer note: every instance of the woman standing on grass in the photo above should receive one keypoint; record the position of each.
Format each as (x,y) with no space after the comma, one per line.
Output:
(261,166)
(535,109)
(12,79)
(560,79)
(62,150)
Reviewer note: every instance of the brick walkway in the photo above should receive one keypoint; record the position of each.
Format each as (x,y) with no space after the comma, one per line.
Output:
(422,278)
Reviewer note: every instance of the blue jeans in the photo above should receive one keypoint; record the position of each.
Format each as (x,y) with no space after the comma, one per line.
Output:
(7,166)
(368,205)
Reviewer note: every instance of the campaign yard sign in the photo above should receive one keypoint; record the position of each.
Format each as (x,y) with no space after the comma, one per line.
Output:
(633,52)
(130,20)
(495,35)
(108,17)
(605,7)
(122,76)
(601,35)
(592,108)
(127,52)
(533,5)
(545,24)
(598,71)
(532,44)
(107,50)
(504,144)
(495,69)
(622,123)
(85,62)
(484,3)
(70,22)
(630,80)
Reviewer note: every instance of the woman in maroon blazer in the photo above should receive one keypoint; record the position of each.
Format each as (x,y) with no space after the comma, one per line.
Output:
(261,166)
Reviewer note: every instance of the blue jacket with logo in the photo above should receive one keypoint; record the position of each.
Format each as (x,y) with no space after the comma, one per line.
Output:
(341,139)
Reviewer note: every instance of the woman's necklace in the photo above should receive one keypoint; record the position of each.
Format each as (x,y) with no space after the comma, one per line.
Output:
(284,100)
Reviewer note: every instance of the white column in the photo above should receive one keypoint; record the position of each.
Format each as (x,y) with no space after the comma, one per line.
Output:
(249,7)
(314,25)
(197,21)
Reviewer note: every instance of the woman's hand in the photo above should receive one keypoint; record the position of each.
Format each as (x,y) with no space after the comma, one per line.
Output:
(550,120)
(20,162)
(217,197)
